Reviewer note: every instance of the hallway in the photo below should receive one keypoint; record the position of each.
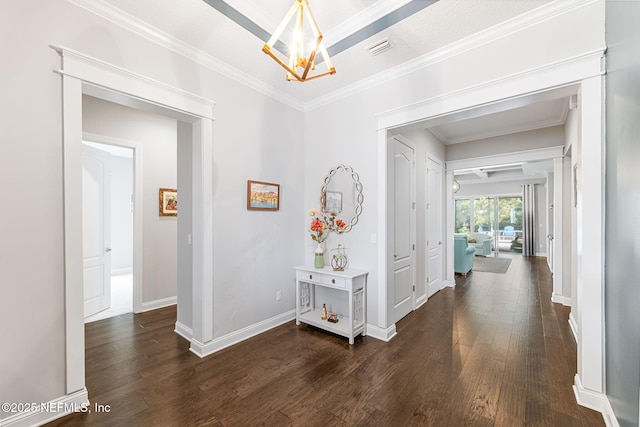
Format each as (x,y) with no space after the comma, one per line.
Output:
(494,351)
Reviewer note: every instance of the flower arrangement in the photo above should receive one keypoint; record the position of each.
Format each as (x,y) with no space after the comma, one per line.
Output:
(318,226)
(322,223)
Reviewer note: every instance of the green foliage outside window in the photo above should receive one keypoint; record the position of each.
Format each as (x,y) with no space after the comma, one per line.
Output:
(509,213)
(463,216)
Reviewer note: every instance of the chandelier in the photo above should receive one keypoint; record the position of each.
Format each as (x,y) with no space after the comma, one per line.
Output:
(302,54)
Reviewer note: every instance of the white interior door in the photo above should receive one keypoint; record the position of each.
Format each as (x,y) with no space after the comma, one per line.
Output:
(403,226)
(434,226)
(96,213)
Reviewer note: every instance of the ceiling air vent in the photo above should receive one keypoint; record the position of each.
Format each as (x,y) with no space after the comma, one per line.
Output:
(379,47)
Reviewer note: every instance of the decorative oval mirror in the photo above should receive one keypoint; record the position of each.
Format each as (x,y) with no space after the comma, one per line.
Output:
(341,198)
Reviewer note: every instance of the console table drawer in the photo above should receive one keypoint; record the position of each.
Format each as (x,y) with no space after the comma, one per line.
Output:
(338,282)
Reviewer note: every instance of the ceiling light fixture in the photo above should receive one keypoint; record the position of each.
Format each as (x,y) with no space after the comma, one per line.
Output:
(301,54)
(456,186)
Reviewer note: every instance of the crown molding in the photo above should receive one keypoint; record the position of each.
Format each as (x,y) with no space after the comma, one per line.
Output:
(476,40)
(157,36)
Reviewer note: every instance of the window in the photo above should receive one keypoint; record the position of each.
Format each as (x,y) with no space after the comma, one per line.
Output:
(487,214)
(463,216)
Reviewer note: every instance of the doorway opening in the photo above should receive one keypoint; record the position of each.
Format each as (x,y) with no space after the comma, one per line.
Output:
(83,75)
(493,223)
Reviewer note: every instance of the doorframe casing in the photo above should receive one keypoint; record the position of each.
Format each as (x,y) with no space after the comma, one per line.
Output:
(138,213)
(583,74)
(82,74)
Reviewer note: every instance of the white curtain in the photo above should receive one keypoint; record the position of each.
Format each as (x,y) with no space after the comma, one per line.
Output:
(528,219)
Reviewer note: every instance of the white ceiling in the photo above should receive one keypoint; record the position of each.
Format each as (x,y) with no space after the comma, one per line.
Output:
(210,32)
(536,115)
(526,171)
(221,31)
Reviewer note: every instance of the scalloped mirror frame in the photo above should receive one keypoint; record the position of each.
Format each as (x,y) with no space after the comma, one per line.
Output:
(358,197)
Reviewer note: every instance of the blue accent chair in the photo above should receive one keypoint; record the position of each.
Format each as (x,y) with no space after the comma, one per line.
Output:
(509,231)
(462,254)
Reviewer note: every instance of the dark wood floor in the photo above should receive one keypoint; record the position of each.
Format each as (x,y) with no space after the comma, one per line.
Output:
(493,351)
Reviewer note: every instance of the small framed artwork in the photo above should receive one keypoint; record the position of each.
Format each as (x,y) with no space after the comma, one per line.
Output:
(263,196)
(168,202)
(333,201)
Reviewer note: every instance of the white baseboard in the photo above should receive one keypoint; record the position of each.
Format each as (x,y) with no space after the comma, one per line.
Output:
(574,326)
(121,271)
(159,303)
(561,299)
(448,283)
(217,344)
(588,398)
(49,411)
(421,301)
(380,333)
(184,331)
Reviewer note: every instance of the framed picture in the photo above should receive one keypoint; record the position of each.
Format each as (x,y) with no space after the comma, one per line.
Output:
(263,196)
(333,201)
(168,202)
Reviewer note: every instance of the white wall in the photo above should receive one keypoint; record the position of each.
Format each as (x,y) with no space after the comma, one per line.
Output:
(255,137)
(158,136)
(494,188)
(184,322)
(623,206)
(521,141)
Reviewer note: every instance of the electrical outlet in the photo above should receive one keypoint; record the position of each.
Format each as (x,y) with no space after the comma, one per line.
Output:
(278,295)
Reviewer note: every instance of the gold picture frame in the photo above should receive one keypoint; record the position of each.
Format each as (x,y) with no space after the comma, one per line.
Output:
(168,202)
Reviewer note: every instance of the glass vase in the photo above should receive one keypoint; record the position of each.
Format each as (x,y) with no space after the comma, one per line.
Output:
(319,257)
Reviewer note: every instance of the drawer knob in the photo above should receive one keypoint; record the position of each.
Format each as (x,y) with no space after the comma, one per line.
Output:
(333,281)
(311,276)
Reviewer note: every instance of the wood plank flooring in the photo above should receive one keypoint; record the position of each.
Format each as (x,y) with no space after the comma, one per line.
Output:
(493,351)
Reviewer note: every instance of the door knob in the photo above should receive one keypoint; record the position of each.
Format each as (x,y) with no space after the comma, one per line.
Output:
(440,242)
(107,250)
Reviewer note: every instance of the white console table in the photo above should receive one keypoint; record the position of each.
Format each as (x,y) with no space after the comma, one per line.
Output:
(343,292)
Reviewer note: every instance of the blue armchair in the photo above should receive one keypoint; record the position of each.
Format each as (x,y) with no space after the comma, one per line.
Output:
(462,254)
(482,243)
